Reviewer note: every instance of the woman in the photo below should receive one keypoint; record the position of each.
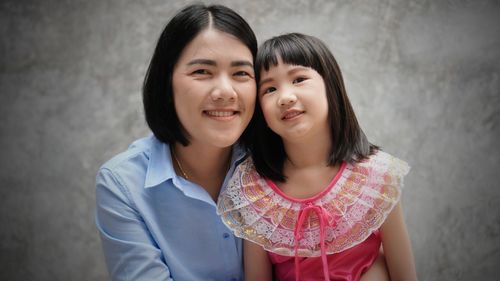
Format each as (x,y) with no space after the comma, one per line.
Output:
(156,201)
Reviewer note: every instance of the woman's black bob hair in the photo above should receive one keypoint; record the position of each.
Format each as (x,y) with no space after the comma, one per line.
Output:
(178,33)
(349,143)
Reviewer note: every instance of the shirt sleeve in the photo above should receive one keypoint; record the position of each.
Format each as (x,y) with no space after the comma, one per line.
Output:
(129,249)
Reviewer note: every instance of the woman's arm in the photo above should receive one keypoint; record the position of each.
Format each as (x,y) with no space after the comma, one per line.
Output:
(256,262)
(397,247)
(130,252)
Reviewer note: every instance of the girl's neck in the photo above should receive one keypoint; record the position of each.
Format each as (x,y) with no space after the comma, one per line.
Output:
(306,167)
(308,153)
(205,166)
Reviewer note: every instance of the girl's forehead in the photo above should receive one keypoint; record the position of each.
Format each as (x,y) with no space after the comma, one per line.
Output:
(282,71)
(281,66)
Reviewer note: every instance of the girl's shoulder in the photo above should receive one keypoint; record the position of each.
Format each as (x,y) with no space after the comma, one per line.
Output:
(383,162)
(379,170)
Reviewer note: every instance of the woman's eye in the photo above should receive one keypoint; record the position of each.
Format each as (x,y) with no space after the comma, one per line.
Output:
(242,73)
(268,90)
(299,79)
(201,72)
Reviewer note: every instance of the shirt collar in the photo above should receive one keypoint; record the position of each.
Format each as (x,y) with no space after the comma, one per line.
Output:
(160,166)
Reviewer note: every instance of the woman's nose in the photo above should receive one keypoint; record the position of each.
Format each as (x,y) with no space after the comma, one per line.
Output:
(223,90)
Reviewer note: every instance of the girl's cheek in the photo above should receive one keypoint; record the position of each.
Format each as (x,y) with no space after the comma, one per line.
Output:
(266,111)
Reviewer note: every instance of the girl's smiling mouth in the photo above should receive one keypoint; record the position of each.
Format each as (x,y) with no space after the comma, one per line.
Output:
(291,114)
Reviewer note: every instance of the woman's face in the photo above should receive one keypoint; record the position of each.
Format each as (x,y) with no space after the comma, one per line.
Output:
(214,88)
(293,100)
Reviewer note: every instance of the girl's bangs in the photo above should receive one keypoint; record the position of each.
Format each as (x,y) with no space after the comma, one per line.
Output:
(291,49)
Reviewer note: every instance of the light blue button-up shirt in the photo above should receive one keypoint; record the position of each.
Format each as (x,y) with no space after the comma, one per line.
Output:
(155,225)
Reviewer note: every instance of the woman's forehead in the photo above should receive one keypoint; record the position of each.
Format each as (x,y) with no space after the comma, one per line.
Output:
(212,43)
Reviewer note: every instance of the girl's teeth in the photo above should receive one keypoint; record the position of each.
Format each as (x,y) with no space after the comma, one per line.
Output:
(290,115)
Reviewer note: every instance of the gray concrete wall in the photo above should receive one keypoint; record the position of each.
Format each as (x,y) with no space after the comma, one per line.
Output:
(423,76)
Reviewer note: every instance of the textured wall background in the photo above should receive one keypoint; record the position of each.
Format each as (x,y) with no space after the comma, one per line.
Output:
(423,76)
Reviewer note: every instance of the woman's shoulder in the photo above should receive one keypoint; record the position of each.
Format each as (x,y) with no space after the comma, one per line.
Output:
(128,169)
(140,148)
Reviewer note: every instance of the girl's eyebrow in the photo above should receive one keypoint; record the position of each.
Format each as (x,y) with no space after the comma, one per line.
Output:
(291,71)
(265,81)
(297,69)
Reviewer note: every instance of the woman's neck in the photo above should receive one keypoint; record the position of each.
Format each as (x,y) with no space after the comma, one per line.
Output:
(205,166)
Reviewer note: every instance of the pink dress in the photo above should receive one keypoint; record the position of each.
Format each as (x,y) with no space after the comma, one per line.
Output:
(330,236)
(347,265)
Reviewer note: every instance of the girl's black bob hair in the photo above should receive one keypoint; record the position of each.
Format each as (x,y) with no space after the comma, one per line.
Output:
(349,143)
(178,33)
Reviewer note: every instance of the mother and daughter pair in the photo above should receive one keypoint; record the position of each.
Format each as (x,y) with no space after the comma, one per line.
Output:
(311,197)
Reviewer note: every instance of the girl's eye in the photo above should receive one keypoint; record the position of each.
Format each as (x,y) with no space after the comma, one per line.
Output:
(299,79)
(201,72)
(268,90)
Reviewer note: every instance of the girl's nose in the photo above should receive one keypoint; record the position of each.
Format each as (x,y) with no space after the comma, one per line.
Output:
(287,99)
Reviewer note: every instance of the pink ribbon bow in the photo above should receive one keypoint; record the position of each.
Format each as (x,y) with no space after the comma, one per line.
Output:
(324,219)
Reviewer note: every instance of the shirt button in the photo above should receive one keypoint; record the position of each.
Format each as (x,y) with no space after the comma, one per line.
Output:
(226,235)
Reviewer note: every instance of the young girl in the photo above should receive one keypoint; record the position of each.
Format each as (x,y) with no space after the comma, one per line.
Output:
(316,199)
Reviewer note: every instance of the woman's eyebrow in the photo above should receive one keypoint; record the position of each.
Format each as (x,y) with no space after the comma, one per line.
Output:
(202,61)
(214,63)
(241,63)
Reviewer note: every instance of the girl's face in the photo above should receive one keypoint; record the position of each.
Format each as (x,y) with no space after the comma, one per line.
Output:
(293,100)
(214,88)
